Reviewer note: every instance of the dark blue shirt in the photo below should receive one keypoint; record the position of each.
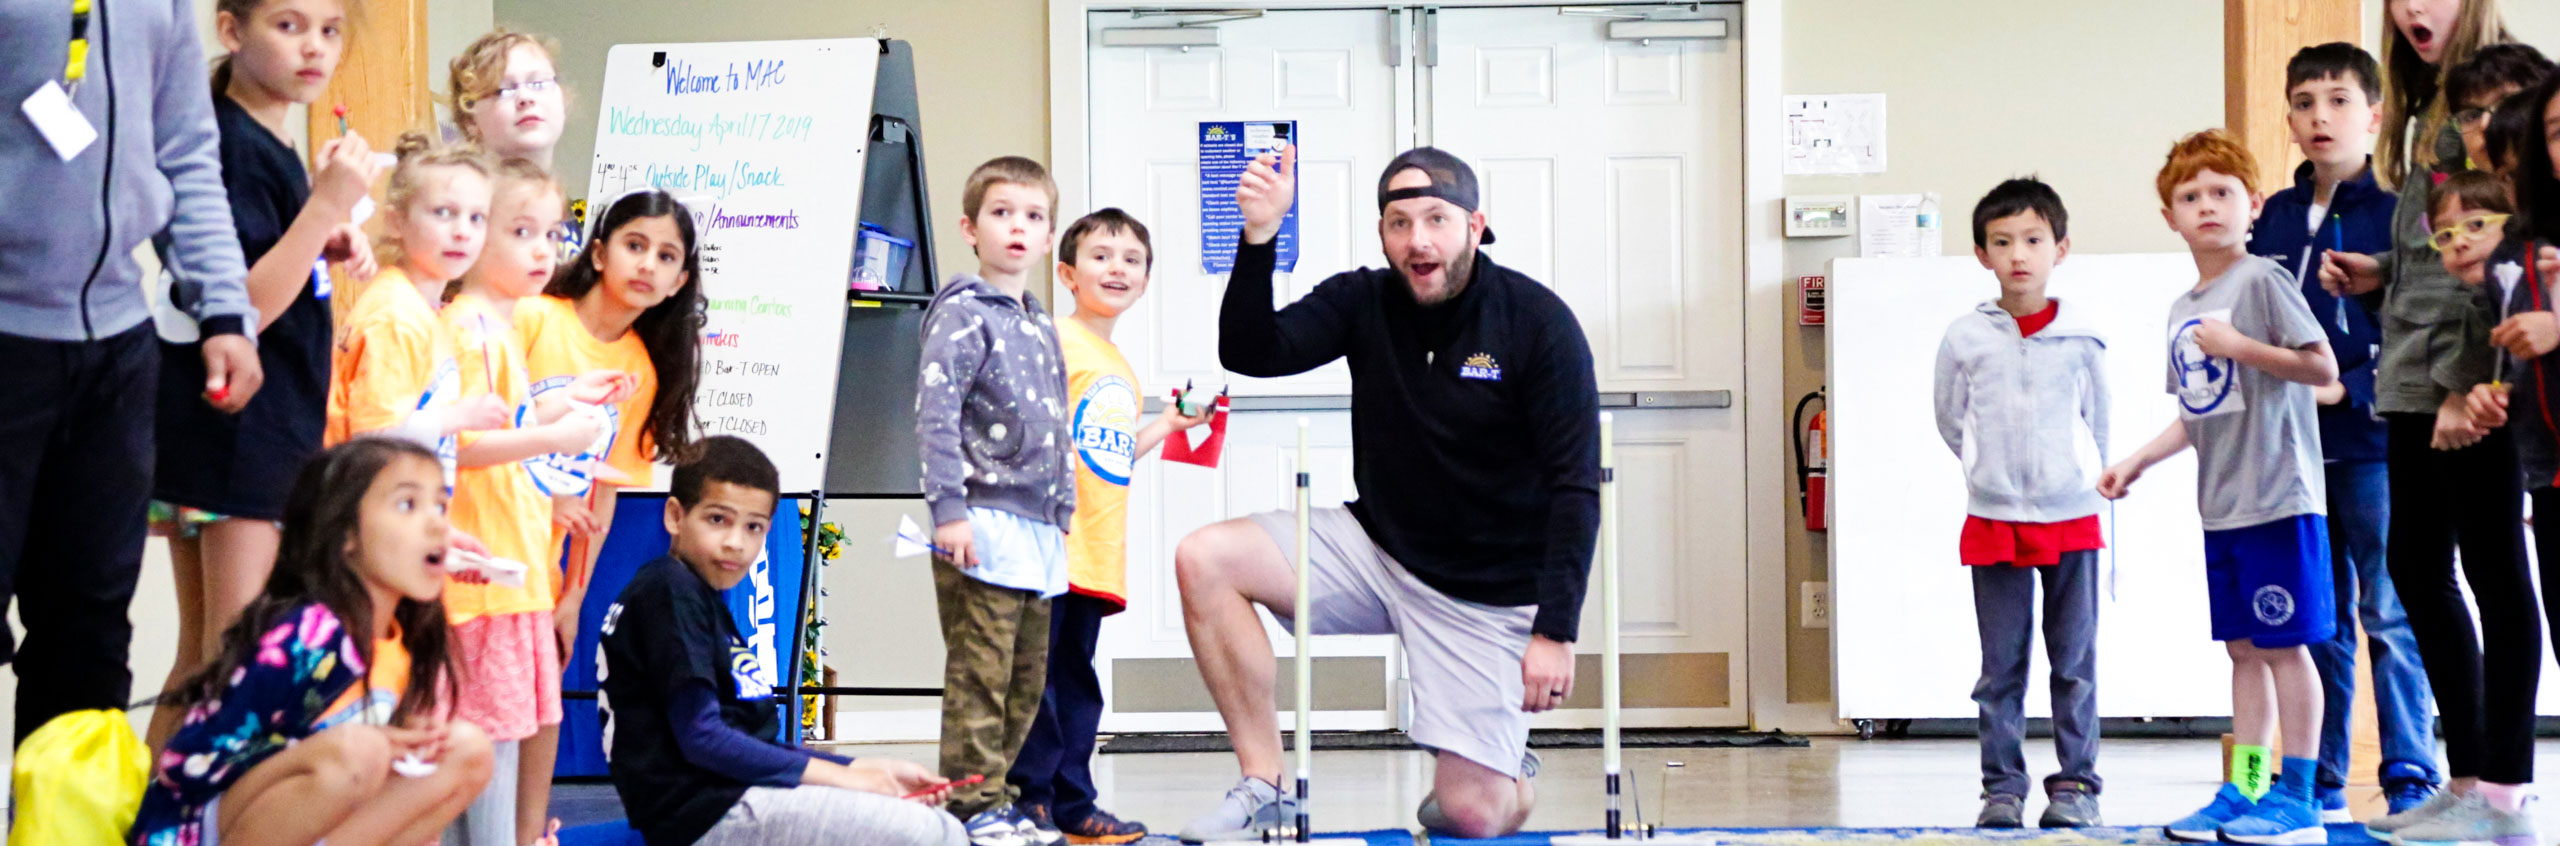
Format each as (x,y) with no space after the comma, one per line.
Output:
(2358,221)
(666,633)
(241,465)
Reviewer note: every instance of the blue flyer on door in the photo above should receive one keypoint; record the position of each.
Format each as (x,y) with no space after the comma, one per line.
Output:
(1225,149)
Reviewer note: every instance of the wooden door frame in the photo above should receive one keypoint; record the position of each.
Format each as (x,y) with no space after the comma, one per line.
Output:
(382,80)
(383,77)
(1767,323)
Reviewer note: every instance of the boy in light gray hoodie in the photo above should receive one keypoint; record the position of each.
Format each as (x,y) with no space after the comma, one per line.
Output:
(2022,400)
(992,426)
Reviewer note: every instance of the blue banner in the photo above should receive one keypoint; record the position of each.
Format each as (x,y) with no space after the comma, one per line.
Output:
(1225,149)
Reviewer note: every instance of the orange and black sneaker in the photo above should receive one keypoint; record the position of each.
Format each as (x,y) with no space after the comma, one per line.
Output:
(1102,827)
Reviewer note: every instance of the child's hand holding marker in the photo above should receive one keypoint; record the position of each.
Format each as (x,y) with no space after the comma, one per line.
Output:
(232,372)
(343,186)
(2527,335)
(2116,480)
(602,387)
(2345,274)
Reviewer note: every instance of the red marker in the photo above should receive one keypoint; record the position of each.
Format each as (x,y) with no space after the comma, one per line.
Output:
(341,111)
(948,785)
(218,394)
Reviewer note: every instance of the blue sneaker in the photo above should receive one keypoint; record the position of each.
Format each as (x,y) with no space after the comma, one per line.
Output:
(2333,806)
(2279,820)
(2205,826)
(997,826)
(2407,786)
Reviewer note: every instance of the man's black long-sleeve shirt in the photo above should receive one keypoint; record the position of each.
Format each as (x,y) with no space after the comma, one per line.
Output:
(1474,424)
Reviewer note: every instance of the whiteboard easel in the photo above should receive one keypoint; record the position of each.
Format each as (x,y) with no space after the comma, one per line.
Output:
(763,141)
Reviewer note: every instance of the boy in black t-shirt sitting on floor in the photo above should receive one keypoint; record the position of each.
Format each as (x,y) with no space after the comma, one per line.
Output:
(689,720)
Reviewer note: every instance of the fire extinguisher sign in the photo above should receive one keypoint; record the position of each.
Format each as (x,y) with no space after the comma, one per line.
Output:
(1809,300)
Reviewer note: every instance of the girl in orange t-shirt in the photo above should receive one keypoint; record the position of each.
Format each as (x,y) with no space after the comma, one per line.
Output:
(503,632)
(393,368)
(627,303)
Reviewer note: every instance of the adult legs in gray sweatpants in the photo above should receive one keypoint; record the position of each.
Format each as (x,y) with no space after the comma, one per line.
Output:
(2004,608)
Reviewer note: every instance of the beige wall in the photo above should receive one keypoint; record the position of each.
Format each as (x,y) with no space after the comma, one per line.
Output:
(981,68)
(451,26)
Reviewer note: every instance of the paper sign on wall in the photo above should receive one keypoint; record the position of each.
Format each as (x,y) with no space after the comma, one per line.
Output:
(1834,133)
(1226,147)
(1898,226)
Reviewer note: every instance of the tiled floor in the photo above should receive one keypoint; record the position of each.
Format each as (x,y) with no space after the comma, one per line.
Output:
(1846,783)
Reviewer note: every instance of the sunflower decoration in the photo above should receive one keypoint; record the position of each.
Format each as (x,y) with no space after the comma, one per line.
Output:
(813,651)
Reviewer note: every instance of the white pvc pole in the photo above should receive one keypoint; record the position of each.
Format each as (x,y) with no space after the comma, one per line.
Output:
(1609,619)
(1306,661)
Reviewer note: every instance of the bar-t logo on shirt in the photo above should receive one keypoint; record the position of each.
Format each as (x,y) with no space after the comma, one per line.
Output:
(1105,428)
(2204,381)
(1480,367)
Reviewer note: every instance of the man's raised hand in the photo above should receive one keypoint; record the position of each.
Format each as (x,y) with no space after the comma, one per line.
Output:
(1264,194)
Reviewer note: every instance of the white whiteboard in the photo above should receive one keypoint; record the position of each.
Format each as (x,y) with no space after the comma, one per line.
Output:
(763,141)
(1903,625)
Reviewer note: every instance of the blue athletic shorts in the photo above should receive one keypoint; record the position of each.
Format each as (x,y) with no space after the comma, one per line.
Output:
(2270,582)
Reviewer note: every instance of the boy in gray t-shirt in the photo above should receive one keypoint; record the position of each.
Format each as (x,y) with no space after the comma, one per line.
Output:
(2244,353)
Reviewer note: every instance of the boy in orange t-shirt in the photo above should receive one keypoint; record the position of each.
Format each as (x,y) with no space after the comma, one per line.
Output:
(1104,259)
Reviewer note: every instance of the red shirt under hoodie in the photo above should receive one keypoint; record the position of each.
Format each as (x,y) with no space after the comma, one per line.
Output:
(1990,542)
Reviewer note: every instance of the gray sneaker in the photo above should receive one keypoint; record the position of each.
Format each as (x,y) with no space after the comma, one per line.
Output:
(2001,810)
(2435,805)
(2070,806)
(2472,819)
(1250,807)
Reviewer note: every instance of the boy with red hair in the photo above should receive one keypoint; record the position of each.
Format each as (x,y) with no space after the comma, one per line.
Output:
(2245,352)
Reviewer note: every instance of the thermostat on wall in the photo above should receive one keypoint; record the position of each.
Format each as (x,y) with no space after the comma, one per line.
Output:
(1821,217)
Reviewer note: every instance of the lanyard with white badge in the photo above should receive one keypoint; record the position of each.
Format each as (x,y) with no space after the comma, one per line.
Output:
(50,106)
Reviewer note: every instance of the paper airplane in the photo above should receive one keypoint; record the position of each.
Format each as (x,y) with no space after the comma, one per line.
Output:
(412,766)
(496,570)
(911,540)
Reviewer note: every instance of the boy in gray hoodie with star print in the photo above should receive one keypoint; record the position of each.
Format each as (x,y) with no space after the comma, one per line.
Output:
(991,424)
(2022,400)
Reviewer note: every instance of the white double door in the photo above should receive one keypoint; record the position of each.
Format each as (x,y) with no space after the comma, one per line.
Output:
(1611,172)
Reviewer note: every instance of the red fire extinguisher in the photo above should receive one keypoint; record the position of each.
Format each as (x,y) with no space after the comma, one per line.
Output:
(1812,467)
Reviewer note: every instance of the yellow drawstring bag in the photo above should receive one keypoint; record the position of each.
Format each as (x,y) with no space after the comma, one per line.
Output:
(79,780)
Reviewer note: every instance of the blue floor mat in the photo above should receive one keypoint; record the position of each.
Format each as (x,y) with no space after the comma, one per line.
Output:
(1787,836)
(616,833)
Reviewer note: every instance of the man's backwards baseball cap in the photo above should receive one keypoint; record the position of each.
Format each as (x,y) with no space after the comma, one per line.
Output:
(1451,180)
